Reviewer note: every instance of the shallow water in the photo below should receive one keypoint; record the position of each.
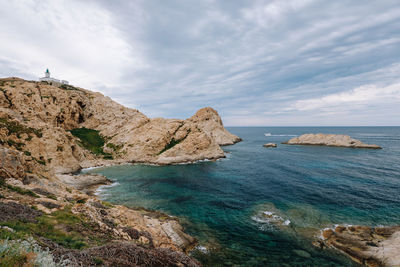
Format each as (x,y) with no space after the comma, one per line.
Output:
(260,206)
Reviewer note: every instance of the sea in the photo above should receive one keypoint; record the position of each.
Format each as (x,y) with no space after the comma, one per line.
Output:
(264,206)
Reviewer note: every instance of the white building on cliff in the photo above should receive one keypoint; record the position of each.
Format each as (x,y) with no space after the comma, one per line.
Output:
(50,80)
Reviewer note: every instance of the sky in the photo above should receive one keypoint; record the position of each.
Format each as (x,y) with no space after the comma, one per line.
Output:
(258,63)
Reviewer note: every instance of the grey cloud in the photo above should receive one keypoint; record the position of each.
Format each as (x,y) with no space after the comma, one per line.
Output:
(250,60)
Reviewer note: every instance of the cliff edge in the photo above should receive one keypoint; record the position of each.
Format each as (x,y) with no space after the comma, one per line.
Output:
(66,128)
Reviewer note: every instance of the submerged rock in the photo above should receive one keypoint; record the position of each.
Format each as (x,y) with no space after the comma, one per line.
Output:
(337,140)
(270,145)
(302,253)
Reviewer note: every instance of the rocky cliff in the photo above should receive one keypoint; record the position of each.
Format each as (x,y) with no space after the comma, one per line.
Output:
(39,119)
(49,132)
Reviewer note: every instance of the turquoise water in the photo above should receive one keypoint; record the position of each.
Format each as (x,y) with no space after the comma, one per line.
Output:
(302,188)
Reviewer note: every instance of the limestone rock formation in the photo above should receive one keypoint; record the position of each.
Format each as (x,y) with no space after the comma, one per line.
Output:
(337,140)
(11,164)
(369,246)
(209,122)
(36,118)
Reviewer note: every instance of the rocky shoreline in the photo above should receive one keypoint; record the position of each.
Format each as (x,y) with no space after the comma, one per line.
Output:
(48,134)
(369,246)
(155,236)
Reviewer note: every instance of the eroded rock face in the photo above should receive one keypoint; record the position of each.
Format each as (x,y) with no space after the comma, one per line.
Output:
(370,246)
(43,115)
(11,164)
(208,120)
(337,140)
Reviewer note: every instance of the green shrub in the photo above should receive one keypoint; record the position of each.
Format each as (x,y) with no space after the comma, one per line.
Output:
(91,140)
(108,156)
(14,127)
(68,87)
(47,226)
(19,190)
(26,253)
(114,147)
(81,201)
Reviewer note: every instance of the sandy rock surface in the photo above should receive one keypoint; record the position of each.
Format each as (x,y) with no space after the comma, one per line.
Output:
(379,246)
(44,114)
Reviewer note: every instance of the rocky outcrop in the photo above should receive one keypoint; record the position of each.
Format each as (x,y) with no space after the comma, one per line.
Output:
(209,122)
(87,183)
(337,140)
(48,132)
(270,145)
(36,118)
(370,246)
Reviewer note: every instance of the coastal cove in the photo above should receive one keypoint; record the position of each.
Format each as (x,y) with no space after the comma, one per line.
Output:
(303,189)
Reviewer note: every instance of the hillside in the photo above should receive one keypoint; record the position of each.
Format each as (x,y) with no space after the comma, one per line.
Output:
(49,214)
(124,134)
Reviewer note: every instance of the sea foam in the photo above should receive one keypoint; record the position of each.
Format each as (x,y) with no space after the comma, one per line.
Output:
(269,220)
(102,188)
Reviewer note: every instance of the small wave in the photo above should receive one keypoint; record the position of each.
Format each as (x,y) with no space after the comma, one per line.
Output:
(268,220)
(102,188)
(202,249)
(267,134)
(90,168)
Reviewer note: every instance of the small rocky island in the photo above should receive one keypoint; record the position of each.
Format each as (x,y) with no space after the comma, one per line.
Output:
(337,140)
(270,145)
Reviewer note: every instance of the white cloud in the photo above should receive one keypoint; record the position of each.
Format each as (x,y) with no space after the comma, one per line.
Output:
(75,39)
(356,98)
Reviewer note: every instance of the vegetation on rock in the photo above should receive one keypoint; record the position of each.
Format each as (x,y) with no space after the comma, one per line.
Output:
(91,140)
(16,128)
(15,253)
(61,227)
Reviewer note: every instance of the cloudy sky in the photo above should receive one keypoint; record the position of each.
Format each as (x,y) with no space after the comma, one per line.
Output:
(294,62)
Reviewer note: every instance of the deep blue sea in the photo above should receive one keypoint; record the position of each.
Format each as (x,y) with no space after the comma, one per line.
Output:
(262,206)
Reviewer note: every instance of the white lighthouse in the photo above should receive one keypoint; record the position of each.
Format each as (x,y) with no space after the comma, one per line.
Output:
(50,80)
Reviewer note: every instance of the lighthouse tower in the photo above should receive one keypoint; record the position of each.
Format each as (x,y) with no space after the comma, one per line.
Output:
(50,80)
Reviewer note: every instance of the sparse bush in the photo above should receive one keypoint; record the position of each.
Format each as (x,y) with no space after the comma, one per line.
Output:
(18,190)
(16,128)
(26,253)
